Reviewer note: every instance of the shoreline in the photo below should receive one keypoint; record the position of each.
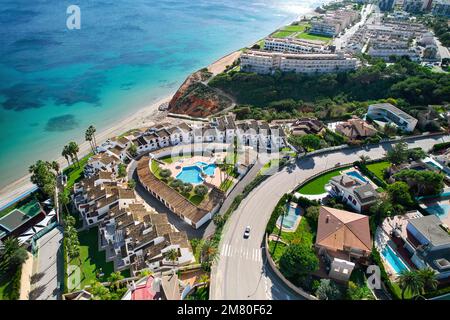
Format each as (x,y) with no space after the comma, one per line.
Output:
(144,116)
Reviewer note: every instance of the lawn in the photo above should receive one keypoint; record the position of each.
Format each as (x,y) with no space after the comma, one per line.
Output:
(295,28)
(91,261)
(74,172)
(282,34)
(156,168)
(303,234)
(276,250)
(378,169)
(317,185)
(309,36)
(224,186)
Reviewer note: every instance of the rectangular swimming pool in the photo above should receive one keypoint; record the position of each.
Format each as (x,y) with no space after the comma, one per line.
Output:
(393,260)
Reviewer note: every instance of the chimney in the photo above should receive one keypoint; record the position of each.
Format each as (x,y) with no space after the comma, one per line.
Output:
(327,218)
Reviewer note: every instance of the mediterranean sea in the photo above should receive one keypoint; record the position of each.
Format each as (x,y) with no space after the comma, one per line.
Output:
(55,82)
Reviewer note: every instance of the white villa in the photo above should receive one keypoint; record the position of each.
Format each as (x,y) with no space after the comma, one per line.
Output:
(387,113)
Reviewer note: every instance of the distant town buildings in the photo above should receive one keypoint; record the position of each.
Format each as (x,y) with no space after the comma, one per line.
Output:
(441,8)
(331,24)
(386,5)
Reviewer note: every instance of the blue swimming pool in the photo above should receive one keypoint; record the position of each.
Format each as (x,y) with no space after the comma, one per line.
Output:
(394,261)
(290,219)
(356,175)
(192,174)
(440,210)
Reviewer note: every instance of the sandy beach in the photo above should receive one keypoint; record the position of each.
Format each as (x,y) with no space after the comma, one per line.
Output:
(147,116)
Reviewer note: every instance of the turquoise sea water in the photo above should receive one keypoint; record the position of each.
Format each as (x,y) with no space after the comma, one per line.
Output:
(55,82)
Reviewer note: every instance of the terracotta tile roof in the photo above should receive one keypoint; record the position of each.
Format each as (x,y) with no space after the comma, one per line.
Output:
(339,230)
(177,202)
(356,128)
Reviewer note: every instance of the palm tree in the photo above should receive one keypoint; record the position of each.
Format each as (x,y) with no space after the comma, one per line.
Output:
(209,252)
(56,167)
(172,255)
(64,199)
(74,149)
(114,280)
(410,280)
(88,137)
(92,131)
(364,158)
(428,277)
(66,154)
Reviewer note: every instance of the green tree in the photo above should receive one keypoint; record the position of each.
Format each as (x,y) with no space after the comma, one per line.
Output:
(115,279)
(297,261)
(88,136)
(310,142)
(187,187)
(66,154)
(399,193)
(131,183)
(328,290)
(428,278)
(12,254)
(64,199)
(133,150)
(165,173)
(43,177)
(416,154)
(172,255)
(312,213)
(209,253)
(398,154)
(410,281)
(74,149)
(422,183)
(121,170)
(99,291)
(201,190)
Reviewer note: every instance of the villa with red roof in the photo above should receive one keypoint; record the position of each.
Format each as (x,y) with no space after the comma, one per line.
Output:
(343,234)
(343,239)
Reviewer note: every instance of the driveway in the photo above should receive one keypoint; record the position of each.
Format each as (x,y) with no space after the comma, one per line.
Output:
(241,272)
(49,267)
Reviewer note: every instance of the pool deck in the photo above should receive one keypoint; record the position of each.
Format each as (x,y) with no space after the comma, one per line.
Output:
(176,167)
(362,175)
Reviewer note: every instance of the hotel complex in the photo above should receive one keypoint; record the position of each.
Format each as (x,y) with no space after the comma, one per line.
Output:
(267,62)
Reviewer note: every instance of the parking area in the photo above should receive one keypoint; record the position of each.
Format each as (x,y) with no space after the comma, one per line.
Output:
(48,267)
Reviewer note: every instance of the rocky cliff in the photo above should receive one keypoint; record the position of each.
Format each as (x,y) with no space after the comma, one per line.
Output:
(195,98)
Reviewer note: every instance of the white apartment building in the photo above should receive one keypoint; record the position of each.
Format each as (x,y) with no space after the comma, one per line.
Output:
(267,62)
(294,45)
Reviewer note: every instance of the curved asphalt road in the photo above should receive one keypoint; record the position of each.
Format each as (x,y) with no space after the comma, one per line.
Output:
(240,272)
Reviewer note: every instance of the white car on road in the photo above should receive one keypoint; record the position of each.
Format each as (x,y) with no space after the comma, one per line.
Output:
(247,232)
